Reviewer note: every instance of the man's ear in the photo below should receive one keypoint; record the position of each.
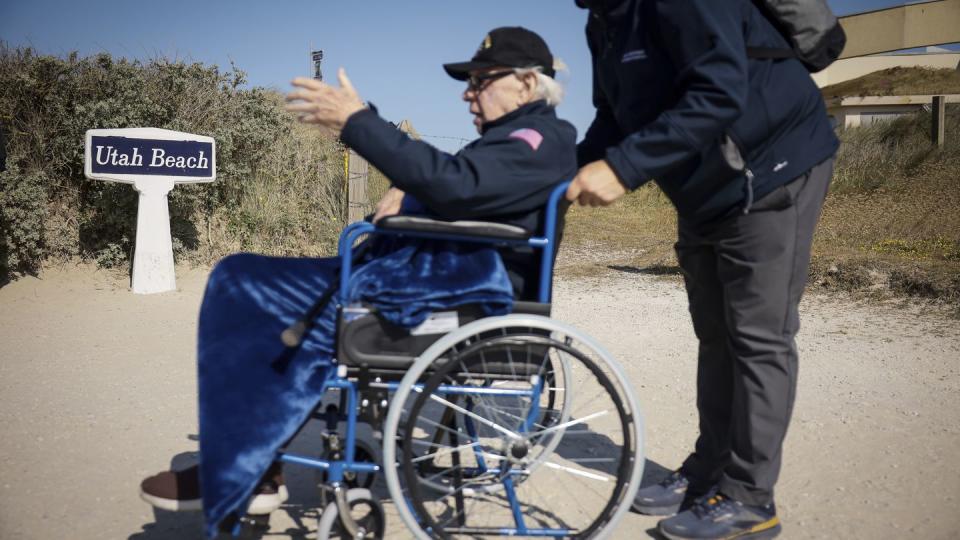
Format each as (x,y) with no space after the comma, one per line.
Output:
(530,83)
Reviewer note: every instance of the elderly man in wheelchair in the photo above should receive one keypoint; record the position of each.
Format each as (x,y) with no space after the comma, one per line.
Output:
(495,419)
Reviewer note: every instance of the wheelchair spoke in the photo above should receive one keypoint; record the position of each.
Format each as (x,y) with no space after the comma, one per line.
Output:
(476,417)
(444,451)
(438,426)
(568,424)
(481,400)
(473,481)
(577,472)
(592,460)
(521,419)
(444,472)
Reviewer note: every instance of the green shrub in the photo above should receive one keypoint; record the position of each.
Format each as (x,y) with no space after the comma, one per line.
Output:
(22,215)
(113,255)
(278,190)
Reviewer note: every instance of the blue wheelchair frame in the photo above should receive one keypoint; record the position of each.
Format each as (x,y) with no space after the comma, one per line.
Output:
(337,469)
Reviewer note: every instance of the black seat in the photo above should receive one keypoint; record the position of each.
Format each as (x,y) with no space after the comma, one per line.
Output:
(365,339)
(461,228)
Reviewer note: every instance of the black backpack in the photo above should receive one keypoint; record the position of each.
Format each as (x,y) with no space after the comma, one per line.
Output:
(812,30)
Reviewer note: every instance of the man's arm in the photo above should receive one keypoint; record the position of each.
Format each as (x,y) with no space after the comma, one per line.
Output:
(704,40)
(603,131)
(449,185)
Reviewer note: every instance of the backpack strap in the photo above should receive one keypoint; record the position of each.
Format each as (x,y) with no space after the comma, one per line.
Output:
(770,53)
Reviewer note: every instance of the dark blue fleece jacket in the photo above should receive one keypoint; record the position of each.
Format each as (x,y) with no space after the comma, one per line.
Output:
(672,80)
(505,176)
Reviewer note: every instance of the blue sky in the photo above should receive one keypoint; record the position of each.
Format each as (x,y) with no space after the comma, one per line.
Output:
(392,49)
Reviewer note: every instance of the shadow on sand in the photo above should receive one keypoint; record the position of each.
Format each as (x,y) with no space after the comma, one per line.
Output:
(653,270)
(297,518)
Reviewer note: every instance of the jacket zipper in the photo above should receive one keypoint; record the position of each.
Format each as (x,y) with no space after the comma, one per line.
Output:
(748,174)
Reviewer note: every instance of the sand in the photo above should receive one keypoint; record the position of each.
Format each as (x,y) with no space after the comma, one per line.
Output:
(98,390)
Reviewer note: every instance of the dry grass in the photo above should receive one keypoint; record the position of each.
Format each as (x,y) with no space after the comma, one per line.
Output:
(891,224)
(898,81)
(292,205)
(637,232)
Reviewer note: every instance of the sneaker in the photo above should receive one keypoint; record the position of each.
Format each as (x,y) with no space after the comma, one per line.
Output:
(663,498)
(179,491)
(174,491)
(270,493)
(720,517)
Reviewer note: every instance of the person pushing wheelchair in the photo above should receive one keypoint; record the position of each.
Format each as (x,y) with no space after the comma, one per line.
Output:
(742,146)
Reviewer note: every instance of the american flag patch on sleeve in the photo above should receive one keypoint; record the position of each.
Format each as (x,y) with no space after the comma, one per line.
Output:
(529,136)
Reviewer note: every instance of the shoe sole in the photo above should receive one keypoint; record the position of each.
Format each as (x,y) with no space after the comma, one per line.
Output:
(746,535)
(172,505)
(655,510)
(265,504)
(259,505)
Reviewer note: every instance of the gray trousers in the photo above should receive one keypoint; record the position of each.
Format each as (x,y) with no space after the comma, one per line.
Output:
(744,278)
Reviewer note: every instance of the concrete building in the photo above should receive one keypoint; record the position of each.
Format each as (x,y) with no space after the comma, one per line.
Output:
(916,24)
(861,89)
(889,93)
(856,111)
(846,69)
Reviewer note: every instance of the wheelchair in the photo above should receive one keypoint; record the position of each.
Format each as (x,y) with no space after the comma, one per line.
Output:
(513,425)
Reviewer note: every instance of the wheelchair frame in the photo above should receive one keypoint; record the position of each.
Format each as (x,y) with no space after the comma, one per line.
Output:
(338,470)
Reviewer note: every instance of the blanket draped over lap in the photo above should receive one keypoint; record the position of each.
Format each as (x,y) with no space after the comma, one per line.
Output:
(248,406)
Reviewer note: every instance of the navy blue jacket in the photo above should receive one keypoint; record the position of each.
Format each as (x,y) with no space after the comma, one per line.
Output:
(505,176)
(672,79)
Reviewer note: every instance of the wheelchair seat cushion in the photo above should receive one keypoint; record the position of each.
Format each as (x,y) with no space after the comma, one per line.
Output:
(460,228)
(365,338)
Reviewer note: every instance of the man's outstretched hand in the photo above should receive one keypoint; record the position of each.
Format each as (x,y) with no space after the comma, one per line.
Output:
(595,185)
(320,103)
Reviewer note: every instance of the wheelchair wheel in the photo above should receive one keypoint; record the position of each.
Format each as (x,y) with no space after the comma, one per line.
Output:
(504,465)
(366,511)
(553,371)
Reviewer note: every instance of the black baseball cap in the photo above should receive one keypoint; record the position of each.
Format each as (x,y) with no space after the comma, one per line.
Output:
(507,46)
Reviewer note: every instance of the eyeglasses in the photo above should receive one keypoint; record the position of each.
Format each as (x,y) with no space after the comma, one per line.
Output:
(479,81)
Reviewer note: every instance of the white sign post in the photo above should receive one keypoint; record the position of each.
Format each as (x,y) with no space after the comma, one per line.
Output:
(153,160)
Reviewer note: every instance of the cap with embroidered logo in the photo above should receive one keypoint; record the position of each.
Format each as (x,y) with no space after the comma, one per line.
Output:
(508,46)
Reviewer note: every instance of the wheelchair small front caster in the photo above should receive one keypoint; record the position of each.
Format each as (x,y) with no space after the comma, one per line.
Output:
(365,511)
(259,523)
(363,453)
(235,526)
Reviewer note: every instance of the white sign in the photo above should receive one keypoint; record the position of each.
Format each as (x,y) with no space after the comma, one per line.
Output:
(153,160)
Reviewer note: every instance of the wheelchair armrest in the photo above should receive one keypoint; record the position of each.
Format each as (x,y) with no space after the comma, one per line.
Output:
(462,228)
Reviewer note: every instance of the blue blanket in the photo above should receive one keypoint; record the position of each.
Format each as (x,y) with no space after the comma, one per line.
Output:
(248,407)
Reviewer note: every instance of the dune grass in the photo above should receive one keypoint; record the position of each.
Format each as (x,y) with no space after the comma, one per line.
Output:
(890,224)
(898,81)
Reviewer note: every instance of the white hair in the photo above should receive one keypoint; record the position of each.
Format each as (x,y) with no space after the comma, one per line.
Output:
(547,87)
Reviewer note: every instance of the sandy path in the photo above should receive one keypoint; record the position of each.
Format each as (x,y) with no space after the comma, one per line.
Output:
(97,389)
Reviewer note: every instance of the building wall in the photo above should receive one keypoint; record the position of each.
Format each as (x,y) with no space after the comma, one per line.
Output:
(850,117)
(917,24)
(864,110)
(851,68)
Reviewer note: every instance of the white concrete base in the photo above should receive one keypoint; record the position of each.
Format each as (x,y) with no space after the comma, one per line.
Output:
(153,253)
